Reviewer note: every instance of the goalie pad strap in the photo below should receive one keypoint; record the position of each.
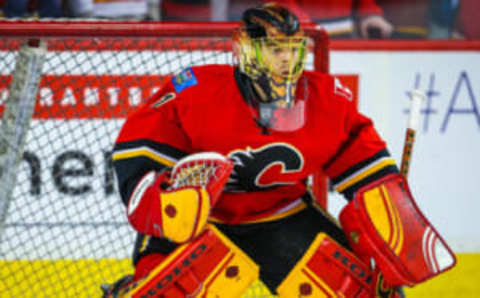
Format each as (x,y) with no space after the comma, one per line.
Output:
(384,223)
(329,270)
(210,264)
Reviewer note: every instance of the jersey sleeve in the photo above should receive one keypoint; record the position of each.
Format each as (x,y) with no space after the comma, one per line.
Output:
(363,156)
(151,138)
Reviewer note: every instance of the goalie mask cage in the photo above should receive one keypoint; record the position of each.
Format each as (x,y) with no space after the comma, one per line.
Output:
(63,227)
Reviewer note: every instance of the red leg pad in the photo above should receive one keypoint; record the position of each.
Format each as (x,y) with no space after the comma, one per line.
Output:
(210,264)
(329,270)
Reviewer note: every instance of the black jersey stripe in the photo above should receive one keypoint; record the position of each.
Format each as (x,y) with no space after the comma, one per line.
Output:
(350,191)
(160,147)
(363,173)
(357,167)
(161,153)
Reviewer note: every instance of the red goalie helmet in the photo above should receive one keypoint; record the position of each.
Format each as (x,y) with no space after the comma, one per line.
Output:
(270,48)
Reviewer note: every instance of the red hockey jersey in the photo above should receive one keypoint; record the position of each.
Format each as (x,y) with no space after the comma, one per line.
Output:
(203,109)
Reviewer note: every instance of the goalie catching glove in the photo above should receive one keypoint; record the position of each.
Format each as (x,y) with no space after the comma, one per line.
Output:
(384,223)
(176,205)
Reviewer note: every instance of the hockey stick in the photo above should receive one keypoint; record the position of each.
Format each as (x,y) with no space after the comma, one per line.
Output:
(417,97)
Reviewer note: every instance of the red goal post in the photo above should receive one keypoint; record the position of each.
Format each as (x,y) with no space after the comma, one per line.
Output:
(63,220)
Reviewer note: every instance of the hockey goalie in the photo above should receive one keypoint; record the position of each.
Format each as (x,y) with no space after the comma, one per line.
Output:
(213,172)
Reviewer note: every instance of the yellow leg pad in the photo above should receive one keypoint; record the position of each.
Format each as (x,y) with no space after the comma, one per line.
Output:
(301,282)
(305,284)
(233,275)
(326,270)
(209,266)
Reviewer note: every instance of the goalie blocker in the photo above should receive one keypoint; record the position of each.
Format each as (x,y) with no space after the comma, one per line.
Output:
(384,223)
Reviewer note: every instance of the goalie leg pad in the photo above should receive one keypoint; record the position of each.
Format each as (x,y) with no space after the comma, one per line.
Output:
(211,264)
(384,223)
(329,270)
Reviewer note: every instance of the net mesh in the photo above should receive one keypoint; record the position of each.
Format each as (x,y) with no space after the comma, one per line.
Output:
(66,231)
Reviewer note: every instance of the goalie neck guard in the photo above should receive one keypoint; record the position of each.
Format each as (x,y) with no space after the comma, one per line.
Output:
(270,49)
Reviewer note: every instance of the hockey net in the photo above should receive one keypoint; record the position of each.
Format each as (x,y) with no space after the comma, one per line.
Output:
(63,228)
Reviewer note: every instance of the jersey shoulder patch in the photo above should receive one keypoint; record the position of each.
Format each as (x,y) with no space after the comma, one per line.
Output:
(186,78)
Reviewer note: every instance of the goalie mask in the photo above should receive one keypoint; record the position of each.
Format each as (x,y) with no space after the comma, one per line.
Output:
(270,48)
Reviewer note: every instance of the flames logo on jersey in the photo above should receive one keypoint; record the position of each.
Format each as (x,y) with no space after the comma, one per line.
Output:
(264,168)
